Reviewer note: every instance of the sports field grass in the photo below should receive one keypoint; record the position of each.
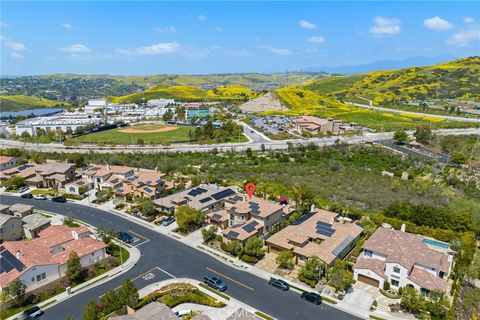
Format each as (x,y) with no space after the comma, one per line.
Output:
(125,136)
(148,134)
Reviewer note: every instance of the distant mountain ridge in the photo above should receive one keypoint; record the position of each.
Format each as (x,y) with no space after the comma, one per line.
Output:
(382,65)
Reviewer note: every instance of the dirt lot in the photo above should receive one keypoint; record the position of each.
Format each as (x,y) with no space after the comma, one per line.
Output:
(264,103)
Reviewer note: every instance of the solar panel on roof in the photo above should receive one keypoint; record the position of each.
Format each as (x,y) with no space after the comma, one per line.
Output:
(201,190)
(236,198)
(233,234)
(325,229)
(120,190)
(222,194)
(12,260)
(250,227)
(216,216)
(205,199)
(149,181)
(159,181)
(345,242)
(148,189)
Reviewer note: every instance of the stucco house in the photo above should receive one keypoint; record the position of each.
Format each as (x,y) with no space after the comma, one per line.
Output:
(42,260)
(404,260)
(324,235)
(7,162)
(205,197)
(248,217)
(10,227)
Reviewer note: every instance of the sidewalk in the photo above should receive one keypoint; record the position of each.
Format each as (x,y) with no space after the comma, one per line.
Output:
(134,257)
(231,305)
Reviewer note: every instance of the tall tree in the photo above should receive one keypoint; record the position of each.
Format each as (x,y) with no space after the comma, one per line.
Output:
(128,294)
(400,136)
(17,291)
(91,311)
(254,247)
(74,268)
(188,218)
(111,301)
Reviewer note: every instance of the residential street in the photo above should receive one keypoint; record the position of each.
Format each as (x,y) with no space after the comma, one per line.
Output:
(165,258)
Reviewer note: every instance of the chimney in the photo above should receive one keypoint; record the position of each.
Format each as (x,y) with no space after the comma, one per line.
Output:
(18,255)
(108,167)
(74,234)
(403,227)
(312,208)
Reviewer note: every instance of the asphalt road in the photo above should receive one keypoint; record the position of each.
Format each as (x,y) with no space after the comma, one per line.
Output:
(163,256)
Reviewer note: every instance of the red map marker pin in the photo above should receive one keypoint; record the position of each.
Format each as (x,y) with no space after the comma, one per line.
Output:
(250,189)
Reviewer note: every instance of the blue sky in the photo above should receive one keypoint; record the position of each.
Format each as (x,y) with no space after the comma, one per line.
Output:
(221,37)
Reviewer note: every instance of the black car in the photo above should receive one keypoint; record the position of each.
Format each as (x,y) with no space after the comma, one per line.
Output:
(27,196)
(125,237)
(31,313)
(214,282)
(278,283)
(59,199)
(312,297)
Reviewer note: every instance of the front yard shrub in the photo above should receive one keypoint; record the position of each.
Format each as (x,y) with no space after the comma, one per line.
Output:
(311,283)
(249,259)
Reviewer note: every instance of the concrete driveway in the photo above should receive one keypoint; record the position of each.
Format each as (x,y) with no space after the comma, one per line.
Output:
(362,296)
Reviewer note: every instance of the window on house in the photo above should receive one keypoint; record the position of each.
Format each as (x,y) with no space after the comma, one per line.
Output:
(395,283)
(396,269)
(33,279)
(44,275)
(367,253)
(39,277)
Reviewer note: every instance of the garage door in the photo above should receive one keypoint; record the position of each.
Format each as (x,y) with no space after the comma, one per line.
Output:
(368,280)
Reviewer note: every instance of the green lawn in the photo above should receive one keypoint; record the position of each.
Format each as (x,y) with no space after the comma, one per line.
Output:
(181,134)
(114,136)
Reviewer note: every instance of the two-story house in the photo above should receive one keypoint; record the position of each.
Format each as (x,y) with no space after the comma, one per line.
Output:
(205,197)
(247,217)
(404,260)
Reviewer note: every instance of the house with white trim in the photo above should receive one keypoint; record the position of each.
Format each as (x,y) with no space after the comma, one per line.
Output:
(404,260)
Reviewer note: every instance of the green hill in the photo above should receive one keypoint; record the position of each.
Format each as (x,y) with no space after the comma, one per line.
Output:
(189,93)
(458,79)
(22,102)
(250,80)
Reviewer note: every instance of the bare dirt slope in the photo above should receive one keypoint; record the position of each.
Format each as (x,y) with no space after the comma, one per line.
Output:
(266,102)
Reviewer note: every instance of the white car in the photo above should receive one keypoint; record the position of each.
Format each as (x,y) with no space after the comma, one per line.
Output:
(40,197)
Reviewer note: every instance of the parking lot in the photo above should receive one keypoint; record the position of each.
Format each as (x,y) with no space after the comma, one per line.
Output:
(271,124)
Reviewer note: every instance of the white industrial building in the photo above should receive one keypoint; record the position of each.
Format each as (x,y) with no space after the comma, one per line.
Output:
(94,106)
(160,102)
(55,123)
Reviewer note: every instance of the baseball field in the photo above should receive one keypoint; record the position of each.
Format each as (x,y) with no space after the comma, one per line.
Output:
(142,133)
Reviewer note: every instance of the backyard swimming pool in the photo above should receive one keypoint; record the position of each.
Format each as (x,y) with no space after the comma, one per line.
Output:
(436,243)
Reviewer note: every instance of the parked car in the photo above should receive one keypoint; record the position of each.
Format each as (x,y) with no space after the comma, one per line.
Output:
(168,221)
(31,313)
(278,283)
(59,199)
(312,297)
(40,197)
(23,189)
(214,282)
(27,196)
(125,237)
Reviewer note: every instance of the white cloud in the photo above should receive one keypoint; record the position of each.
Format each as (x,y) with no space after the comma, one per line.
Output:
(276,51)
(316,39)
(167,29)
(202,18)
(437,24)
(13,45)
(385,27)
(468,20)
(218,28)
(159,48)
(3,24)
(311,51)
(76,48)
(464,38)
(68,26)
(304,24)
(16,55)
